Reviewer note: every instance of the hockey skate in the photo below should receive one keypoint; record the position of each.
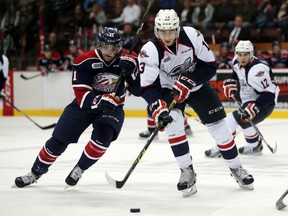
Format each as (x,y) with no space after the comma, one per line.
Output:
(243,178)
(213,152)
(23,181)
(146,134)
(252,150)
(187,182)
(188,130)
(74,176)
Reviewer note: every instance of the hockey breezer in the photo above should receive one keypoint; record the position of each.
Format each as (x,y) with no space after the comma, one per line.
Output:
(273,150)
(22,113)
(120,184)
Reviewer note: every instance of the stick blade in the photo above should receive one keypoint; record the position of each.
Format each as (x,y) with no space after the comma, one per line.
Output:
(23,77)
(48,126)
(280,204)
(113,182)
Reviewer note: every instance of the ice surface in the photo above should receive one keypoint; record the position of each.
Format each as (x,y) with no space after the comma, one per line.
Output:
(152,185)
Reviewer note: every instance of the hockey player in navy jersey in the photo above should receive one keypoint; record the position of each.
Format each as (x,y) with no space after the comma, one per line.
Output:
(258,94)
(176,65)
(94,78)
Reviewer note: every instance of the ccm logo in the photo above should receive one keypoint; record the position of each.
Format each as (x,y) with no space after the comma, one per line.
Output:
(215,110)
(187,80)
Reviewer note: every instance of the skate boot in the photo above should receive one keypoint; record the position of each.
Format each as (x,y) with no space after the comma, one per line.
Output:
(74,176)
(188,131)
(146,134)
(187,182)
(23,181)
(243,178)
(213,152)
(252,150)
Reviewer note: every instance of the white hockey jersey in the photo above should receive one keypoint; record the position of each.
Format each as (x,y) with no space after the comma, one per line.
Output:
(157,63)
(254,79)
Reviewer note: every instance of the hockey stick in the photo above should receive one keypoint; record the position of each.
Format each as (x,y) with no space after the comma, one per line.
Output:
(280,204)
(34,76)
(273,150)
(31,77)
(120,184)
(41,127)
(150,2)
(190,115)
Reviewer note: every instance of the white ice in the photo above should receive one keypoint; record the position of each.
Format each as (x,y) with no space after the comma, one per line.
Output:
(152,185)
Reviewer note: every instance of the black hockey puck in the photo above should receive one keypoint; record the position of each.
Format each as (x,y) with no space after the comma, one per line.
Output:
(135,210)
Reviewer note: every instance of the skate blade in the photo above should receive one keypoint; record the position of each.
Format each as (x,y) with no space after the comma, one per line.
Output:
(68,187)
(247,187)
(189,191)
(14,186)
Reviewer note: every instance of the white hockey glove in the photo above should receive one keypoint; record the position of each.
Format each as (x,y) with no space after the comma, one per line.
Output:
(229,88)
(181,88)
(105,102)
(250,111)
(160,113)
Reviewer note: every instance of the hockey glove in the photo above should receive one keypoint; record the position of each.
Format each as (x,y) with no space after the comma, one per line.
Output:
(128,62)
(229,88)
(181,88)
(105,102)
(250,111)
(160,113)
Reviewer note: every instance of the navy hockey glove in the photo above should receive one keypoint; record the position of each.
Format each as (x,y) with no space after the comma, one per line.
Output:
(105,102)
(250,111)
(182,88)
(128,62)
(160,113)
(229,88)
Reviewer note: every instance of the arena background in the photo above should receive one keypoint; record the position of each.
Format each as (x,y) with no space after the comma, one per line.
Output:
(48,95)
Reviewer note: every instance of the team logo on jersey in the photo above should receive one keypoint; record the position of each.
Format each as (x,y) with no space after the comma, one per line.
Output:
(143,54)
(260,73)
(105,82)
(97,65)
(186,67)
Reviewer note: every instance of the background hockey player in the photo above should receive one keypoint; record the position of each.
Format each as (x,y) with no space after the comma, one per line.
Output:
(257,91)
(94,77)
(4,69)
(179,62)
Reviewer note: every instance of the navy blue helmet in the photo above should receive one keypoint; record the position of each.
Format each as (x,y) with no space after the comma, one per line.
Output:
(110,37)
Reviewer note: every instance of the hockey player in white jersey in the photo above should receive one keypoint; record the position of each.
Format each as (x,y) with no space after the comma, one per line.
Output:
(258,94)
(176,65)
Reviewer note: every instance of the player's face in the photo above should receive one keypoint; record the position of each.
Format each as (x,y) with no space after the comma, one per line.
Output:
(167,36)
(109,51)
(243,58)
(47,54)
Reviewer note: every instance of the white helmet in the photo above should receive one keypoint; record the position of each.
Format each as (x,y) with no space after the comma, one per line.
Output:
(245,46)
(166,19)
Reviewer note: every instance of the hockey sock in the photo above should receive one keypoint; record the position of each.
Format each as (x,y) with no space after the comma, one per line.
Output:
(251,136)
(47,155)
(102,136)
